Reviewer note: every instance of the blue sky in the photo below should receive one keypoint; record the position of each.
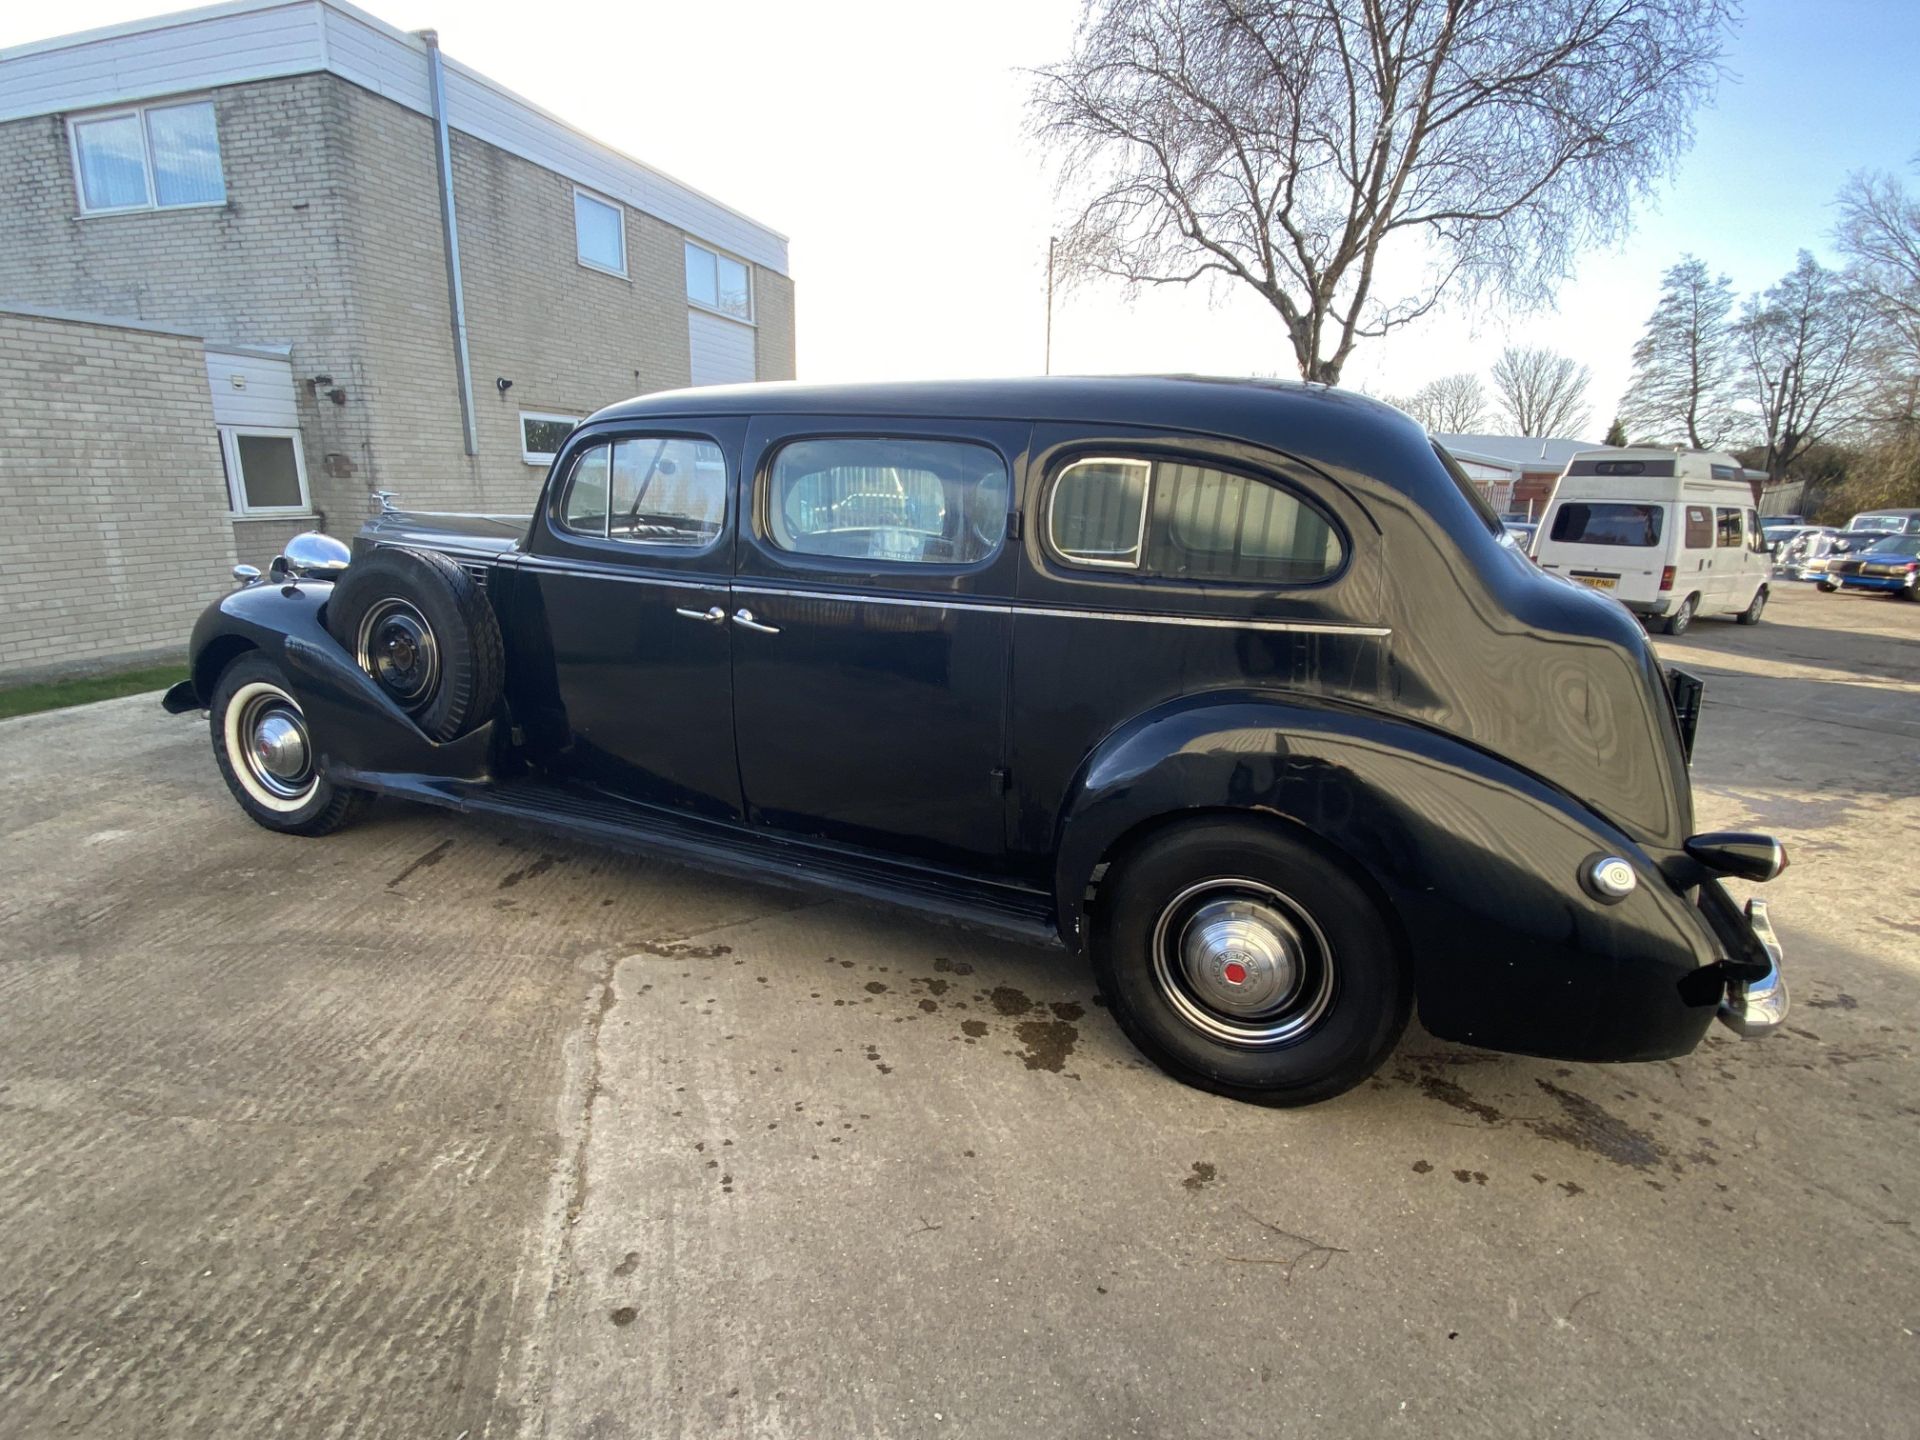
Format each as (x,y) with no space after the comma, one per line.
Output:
(885,139)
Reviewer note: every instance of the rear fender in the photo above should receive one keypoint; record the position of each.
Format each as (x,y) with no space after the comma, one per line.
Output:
(1479,862)
(357,730)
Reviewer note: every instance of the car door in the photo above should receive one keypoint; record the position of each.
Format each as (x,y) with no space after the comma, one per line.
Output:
(1693,567)
(871,631)
(626,582)
(1757,562)
(1729,560)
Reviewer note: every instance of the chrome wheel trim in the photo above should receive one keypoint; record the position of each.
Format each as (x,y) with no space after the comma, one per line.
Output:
(1242,963)
(269,748)
(396,647)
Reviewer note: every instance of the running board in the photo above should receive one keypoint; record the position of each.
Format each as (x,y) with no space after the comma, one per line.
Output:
(1009,910)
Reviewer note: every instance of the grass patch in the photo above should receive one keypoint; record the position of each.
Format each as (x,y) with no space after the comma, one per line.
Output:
(84,689)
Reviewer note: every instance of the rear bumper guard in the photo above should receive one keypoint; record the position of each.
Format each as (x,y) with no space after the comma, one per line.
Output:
(1757,1007)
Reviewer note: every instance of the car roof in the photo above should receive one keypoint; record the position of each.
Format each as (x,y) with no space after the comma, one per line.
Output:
(1338,430)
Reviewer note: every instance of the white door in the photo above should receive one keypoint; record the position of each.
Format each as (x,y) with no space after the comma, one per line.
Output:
(1693,557)
(1729,560)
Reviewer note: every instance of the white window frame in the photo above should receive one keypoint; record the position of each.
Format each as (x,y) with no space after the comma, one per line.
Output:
(236,483)
(719,254)
(536,457)
(1139,551)
(580,192)
(120,112)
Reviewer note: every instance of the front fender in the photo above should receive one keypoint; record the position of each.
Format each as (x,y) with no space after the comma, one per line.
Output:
(357,730)
(1478,861)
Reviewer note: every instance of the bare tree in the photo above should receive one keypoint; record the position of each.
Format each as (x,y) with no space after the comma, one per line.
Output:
(1541,392)
(1450,405)
(1686,366)
(1805,342)
(1290,145)
(1879,233)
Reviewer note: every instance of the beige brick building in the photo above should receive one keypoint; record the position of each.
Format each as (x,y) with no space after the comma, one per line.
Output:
(268,175)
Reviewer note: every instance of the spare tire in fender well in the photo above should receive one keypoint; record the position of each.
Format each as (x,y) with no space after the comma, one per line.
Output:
(425,631)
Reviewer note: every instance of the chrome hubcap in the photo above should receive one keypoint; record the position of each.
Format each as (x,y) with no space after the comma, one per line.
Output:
(396,647)
(1242,963)
(280,745)
(277,751)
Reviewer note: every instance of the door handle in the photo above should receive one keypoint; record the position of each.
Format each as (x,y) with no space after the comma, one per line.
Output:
(744,619)
(714,616)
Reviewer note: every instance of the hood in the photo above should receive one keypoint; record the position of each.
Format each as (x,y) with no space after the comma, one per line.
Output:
(436,530)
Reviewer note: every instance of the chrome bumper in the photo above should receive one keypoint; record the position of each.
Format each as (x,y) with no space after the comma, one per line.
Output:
(1759,1006)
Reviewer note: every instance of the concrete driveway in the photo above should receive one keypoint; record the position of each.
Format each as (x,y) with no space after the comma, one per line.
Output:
(432,1129)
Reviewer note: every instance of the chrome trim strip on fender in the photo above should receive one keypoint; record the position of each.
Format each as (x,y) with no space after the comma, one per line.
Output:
(1207,622)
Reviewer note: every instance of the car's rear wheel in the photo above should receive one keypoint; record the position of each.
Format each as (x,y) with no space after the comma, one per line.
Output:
(1751,615)
(1241,961)
(1679,620)
(1826,587)
(419,625)
(267,756)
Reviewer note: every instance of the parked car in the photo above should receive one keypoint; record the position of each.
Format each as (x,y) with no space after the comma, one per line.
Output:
(1890,565)
(1669,534)
(1804,556)
(1777,530)
(1232,687)
(1898,522)
(1845,543)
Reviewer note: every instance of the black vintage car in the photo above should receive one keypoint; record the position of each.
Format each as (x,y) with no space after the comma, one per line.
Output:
(1233,686)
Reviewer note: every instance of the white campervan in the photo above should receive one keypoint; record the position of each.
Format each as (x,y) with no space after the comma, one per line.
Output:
(1671,534)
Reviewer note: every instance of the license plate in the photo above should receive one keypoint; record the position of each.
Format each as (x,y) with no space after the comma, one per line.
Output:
(1598,582)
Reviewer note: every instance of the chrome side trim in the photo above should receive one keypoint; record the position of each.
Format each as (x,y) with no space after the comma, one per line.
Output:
(1204,622)
(591,572)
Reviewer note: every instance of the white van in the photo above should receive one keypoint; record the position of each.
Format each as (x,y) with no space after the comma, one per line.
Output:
(1671,534)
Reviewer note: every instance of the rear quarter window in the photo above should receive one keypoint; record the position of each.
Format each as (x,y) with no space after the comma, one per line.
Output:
(1172,520)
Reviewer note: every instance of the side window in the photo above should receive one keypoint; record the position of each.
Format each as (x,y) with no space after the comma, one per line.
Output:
(1699,527)
(668,490)
(1214,525)
(585,511)
(1098,513)
(899,501)
(659,490)
(1728,529)
(1175,521)
(1756,537)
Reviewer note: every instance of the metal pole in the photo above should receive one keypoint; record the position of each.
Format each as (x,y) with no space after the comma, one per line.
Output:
(456,297)
(1049,356)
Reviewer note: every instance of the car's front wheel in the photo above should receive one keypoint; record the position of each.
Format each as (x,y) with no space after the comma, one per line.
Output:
(266,753)
(1241,961)
(1751,615)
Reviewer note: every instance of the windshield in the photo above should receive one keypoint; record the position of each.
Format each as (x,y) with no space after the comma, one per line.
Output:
(1906,546)
(1881,522)
(1608,523)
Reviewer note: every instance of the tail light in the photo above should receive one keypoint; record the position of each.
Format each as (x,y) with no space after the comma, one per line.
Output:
(1666,578)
